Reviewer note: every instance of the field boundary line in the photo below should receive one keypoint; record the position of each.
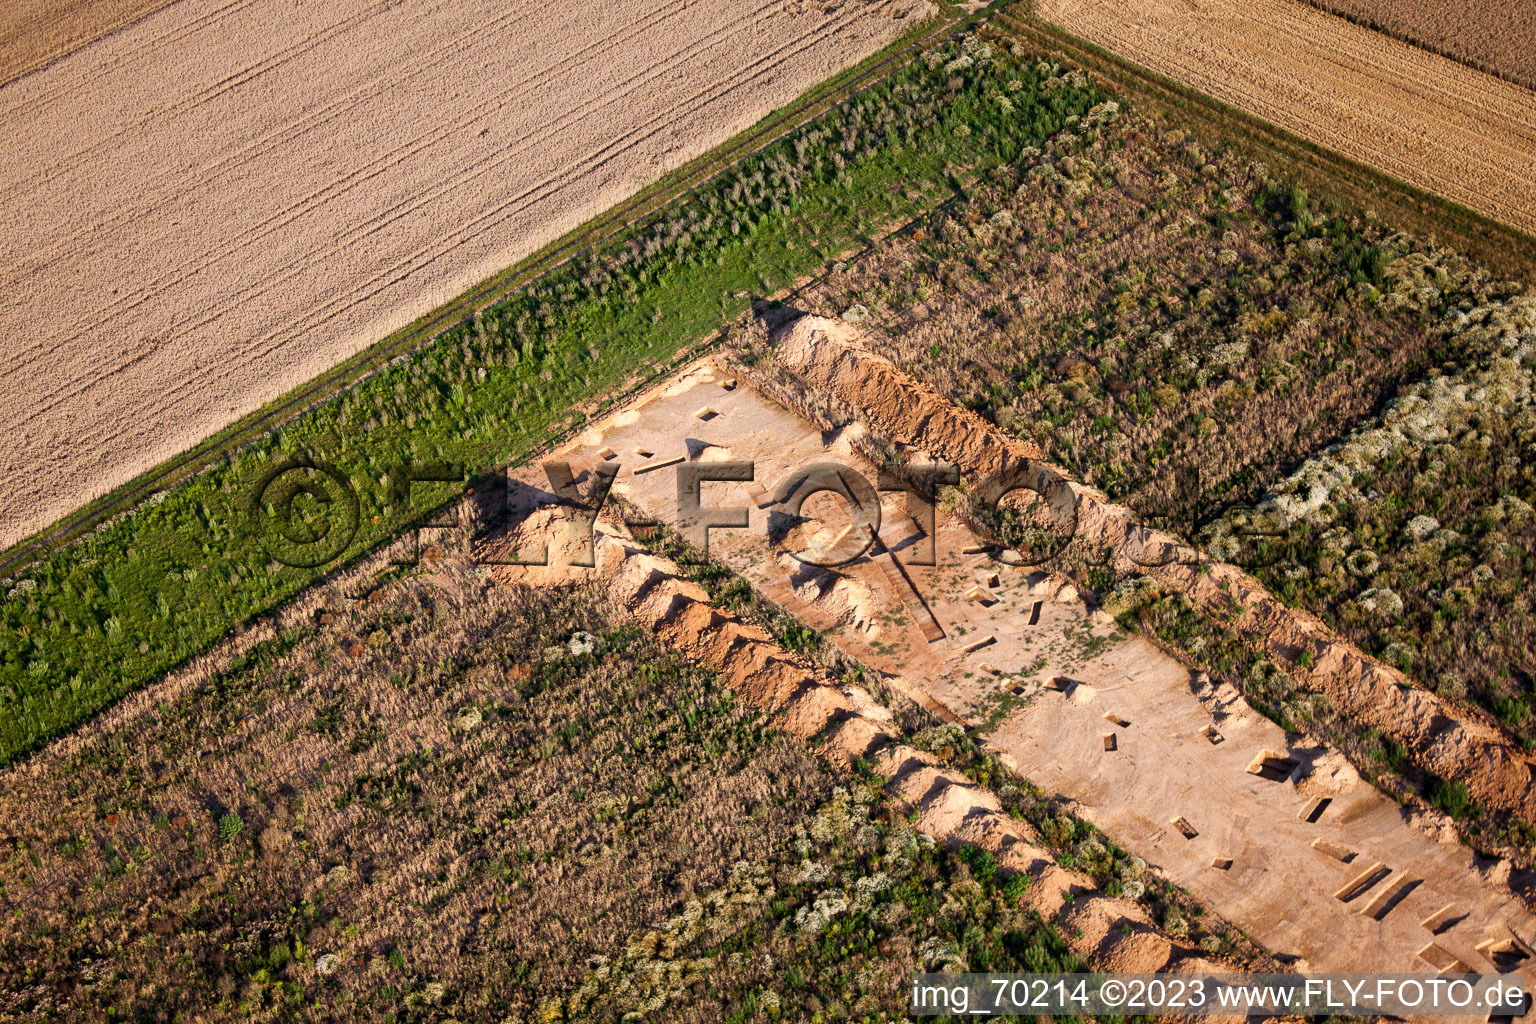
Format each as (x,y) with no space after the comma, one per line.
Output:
(1500,246)
(1427,47)
(42,63)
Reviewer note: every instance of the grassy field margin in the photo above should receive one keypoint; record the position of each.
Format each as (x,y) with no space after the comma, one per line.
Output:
(1498,246)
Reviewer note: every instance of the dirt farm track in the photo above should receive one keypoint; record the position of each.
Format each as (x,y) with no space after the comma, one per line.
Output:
(1422,118)
(210,206)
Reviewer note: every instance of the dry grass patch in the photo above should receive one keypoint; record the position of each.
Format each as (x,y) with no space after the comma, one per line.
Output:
(457,800)
(450,800)
(1173,325)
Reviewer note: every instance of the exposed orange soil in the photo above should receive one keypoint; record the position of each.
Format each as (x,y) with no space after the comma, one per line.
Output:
(224,199)
(1110,932)
(829,356)
(954,637)
(34,32)
(1425,119)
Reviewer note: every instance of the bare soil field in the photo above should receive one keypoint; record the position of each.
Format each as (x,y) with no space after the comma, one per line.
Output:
(221,201)
(1490,35)
(34,32)
(1422,118)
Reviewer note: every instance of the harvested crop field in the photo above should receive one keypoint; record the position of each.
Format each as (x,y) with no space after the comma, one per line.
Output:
(220,202)
(1488,34)
(1422,118)
(34,32)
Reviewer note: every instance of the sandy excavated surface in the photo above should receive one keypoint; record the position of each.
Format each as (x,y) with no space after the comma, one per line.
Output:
(957,635)
(34,32)
(1426,119)
(829,356)
(224,199)
(947,805)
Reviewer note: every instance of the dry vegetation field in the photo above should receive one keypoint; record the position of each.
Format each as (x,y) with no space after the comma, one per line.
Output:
(1492,35)
(448,799)
(219,202)
(1180,327)
(1422,118)
(1416,535)
(462,800)
(1174,325)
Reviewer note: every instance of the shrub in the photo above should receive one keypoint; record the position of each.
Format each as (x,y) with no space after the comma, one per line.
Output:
(1450,797)
(230,825)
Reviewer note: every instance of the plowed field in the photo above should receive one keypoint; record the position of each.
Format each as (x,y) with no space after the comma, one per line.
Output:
(220,201)
(34,32)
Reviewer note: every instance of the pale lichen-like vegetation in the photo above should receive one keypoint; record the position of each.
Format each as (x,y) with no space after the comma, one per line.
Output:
(1415,535)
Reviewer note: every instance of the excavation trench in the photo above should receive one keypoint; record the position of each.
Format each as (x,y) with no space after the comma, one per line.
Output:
(1112,933)
(1018,653)
(828,358)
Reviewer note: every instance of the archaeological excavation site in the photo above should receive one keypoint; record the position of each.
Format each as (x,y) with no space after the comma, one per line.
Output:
(927,617)
(849,511)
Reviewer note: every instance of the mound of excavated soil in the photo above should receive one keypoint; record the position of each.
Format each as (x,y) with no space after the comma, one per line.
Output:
(220,201)
(947,806)
(829,356)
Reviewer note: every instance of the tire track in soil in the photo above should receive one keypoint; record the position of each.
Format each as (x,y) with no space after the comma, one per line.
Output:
(272,345)
(205,262)
(360,255)
(201,262)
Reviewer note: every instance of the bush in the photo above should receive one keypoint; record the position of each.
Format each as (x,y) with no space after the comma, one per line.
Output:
(230,825)
(94,620)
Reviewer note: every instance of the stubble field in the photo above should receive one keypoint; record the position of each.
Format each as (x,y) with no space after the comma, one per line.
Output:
(1422,118)
(34,32)
(218,203)
(1491,36)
